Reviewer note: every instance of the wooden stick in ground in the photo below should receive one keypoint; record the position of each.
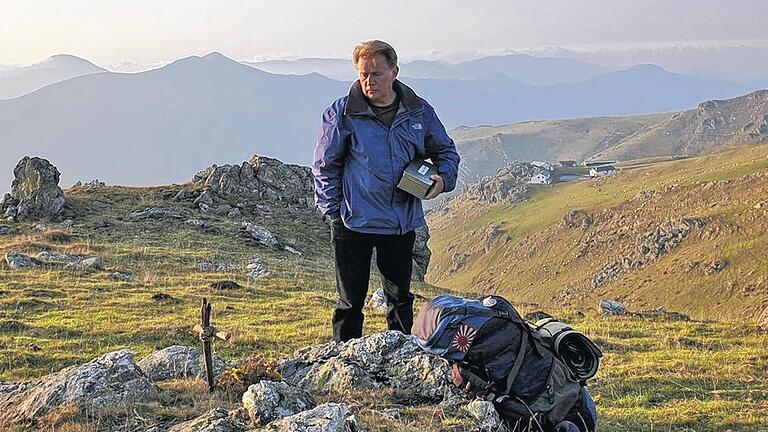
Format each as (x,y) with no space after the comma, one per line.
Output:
(206,337)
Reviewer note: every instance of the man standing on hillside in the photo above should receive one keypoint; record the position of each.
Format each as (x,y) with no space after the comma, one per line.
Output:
(368,138)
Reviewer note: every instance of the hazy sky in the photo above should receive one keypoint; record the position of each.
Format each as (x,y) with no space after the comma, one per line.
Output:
(153,31)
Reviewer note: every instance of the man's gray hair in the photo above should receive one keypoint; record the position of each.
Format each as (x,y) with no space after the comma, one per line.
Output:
(370,48)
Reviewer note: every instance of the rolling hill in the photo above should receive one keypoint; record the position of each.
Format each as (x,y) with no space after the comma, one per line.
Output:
(714,125)
(687,235)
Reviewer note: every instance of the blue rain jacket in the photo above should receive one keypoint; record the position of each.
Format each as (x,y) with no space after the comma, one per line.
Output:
(358,161)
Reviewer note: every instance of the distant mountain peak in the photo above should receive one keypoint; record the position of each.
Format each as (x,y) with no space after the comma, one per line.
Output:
(648,67)
(66,60)
(215,55)
(210,59)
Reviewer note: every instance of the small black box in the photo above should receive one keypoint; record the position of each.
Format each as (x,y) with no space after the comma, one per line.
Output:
(416,179)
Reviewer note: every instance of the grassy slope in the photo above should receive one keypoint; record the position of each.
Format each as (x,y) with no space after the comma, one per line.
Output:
(485,149)
(655,376)
(537,260)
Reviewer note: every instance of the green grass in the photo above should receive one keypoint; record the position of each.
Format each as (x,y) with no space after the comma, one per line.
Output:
(671,376)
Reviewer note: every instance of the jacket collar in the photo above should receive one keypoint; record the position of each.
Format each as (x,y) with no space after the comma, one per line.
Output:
(357,104)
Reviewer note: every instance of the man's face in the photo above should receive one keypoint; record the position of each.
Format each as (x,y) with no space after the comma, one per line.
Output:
(376,78)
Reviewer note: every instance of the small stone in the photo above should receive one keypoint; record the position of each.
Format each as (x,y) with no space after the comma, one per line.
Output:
(33,347)
(163,297)
(57,257)
(293,251)
(155,213)
(18,261)
(259,234)
(122,277)
(378,300)
(716,266)
(392,412)
(205,266)
(196,223)
(612,307)
(225,285)
(257,269)
(93,263)
(485,414)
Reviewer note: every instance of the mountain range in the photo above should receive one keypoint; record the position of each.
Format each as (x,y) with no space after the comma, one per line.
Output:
(714,125)
(522,67)
(157,126)
(17,81)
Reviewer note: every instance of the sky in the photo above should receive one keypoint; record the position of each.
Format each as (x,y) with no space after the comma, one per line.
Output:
(146,32)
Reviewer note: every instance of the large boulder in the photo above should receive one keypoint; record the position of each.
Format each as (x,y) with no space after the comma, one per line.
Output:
(268,400)
(387,359)
(329,417)
(108,381)
(35,191)
(177,362)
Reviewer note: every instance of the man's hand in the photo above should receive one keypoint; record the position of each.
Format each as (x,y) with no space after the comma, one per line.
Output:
(332,218)
(437,188)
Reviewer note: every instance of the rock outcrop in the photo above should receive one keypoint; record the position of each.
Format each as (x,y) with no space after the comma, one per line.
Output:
(650,246)
(177,362)
(111,380)
(383,359)
(509,184)
(251,187)
(35,191)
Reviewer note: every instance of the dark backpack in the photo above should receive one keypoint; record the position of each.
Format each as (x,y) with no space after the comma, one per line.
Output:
(504,359)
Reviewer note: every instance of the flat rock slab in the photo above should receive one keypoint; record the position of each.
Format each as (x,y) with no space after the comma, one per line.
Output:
(110,380)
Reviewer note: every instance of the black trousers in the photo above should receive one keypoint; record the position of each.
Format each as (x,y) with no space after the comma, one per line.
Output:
(352,253)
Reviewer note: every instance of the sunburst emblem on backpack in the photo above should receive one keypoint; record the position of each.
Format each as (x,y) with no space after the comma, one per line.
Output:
(463,338)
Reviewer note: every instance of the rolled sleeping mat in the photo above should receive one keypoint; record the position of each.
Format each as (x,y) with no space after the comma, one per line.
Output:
(577,351)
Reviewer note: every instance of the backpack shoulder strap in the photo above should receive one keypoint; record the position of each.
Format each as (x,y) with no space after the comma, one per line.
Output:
(518,361)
